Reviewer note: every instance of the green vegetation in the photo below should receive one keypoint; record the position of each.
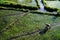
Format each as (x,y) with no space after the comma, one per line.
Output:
(58,11)
(14,23)
(28,23)
(19,4)
(37,3)
(52,0)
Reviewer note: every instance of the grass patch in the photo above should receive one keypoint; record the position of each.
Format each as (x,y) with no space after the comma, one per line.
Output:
(28,23)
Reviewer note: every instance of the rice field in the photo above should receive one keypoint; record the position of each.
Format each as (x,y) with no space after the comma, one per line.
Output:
(17,25)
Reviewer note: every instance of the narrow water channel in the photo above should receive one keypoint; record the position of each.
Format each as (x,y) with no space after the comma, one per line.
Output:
(41,6)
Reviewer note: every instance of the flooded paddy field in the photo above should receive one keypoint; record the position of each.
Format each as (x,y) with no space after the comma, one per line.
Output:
(19,25)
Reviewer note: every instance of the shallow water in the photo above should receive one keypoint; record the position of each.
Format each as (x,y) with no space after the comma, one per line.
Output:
(41,6)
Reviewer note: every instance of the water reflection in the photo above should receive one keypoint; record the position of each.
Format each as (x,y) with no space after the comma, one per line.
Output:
(41,6)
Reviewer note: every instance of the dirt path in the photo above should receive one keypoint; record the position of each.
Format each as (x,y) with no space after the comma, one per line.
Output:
(21,35)
(9,26)
(29,33)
